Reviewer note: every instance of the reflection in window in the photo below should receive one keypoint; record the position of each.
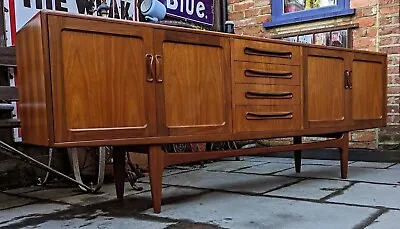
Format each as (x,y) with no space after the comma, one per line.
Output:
(322,38)
(336,38)
(299,5)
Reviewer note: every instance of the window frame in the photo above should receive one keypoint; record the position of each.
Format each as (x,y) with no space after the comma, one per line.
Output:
(279,18)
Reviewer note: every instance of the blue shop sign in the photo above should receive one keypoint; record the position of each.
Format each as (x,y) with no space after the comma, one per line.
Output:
(193,10)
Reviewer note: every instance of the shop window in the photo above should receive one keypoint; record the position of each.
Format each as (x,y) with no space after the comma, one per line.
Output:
(338,37)
(295,11)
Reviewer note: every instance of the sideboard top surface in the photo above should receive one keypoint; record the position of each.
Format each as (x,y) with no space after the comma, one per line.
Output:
(46,12)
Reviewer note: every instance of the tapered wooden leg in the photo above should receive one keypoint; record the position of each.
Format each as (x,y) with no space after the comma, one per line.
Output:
(119,172)
(156,168)
(297,155)
(344,156)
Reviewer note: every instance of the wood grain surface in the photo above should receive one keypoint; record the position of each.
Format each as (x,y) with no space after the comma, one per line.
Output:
(102,81)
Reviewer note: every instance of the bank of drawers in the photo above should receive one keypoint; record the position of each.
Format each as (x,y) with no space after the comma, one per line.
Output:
(266,86)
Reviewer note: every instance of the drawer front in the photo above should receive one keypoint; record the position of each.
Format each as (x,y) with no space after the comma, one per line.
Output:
(245,72)
(258,94)
(267,118)
(265,52)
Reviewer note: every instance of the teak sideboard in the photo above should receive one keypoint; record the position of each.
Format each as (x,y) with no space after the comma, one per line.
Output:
(91,81)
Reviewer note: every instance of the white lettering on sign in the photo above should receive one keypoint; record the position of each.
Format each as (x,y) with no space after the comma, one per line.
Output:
(26,9)
(172,4)
(200,9)
(187,6)
(189,11)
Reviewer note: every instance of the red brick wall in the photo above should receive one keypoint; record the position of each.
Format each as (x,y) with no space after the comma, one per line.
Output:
(379,30)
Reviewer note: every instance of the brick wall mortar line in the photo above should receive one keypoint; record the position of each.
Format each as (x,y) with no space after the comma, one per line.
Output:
(389,46)
(377,25)
(390,25)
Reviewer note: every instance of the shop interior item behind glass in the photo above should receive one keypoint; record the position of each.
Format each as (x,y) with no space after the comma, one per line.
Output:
(220,12)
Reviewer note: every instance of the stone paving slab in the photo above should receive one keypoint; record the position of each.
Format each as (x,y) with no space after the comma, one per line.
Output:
(109,189)
(389,220)
(273,159)
(241,158)
(82,217)
(374,175)
(314,171)
(180,169)
(314,189)
(8,201)
(240,211)
(101,222)
(289,160)
(106,193)
(24,189)
(146,179)
(171,171)
(19,214)
(52,193)
(228,166)
(320,162)
(104,222)
(235,182)
(175,195)
(268,168)
(366,164)
(196,197)
(371,195)
(397,166)
(390,176)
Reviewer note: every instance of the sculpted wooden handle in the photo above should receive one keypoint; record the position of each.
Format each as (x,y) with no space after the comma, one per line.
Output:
(149,66)
(271,115)
(350,79)
(268,74)
(268,95)
(261,52)
(347,79)
(159,74)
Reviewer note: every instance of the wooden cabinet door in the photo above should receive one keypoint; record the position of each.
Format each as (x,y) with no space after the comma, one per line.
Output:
(326,103)
(368,90)
(99,72)
(192,83)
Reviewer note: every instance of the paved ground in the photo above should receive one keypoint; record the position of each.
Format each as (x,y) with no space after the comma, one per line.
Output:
(256,192)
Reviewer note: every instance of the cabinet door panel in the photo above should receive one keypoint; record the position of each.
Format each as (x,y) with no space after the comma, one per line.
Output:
(368,89)
(325,88)
(194,95)
(99,80)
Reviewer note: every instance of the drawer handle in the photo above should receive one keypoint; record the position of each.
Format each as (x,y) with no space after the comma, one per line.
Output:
(264,116)
(268,95)
(260,52)
(267,74)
